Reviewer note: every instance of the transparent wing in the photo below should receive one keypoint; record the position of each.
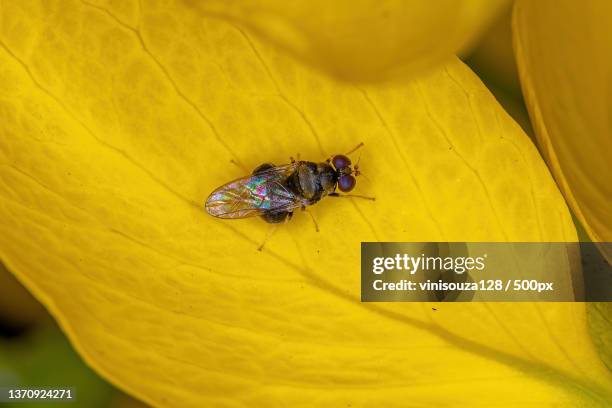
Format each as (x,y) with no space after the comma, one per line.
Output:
(254,195)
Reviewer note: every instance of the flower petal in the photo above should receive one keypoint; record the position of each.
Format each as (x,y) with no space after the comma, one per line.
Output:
(363,40)
(564,52)
(600,324)
(117,122)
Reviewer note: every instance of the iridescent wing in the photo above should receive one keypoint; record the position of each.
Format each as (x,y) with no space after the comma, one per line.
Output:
(254,195)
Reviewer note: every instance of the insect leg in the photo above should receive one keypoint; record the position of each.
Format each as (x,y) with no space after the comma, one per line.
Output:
(352,195)
(294,160)
(360,145)
(270,232)
(312,218)
(235,163)
(263,167)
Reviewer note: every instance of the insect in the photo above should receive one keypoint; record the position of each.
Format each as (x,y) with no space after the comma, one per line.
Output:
(275,192)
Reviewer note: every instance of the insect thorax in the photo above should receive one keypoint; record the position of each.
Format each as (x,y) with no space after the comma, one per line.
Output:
(312,181)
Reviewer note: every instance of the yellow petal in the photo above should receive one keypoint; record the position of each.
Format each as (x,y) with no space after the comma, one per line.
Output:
(600,324)
(564,52)
(363,40)
(117,122)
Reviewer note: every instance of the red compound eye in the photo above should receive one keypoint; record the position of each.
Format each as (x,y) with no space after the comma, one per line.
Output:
(340,161)
(346,183)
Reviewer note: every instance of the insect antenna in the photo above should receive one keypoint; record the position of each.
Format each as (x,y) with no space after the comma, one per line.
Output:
(360,174)
(356,166)
(357,171)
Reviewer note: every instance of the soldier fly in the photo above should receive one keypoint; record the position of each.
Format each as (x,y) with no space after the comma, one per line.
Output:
(274,192)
